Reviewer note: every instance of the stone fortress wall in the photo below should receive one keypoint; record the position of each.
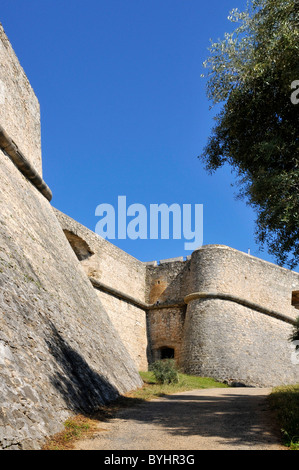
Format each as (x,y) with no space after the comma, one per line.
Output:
(59,351)
(118,280)
(239,318)
(79,317)
(19,106)
(223,313)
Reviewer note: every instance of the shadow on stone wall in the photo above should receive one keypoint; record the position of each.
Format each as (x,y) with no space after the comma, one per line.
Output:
(82,389)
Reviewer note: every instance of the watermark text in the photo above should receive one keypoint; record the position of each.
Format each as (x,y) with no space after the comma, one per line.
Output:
(295,94)
(161,221)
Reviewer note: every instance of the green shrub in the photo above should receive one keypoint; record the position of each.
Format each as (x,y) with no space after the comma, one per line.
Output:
(165,371)
(285,401)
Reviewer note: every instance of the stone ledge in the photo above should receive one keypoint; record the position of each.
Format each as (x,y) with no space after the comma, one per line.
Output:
(238,300)
(23,165)
(172,260)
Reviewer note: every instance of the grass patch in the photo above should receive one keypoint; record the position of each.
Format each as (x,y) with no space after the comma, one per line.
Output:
(285,402)
(81,427)
(152,389)
(74,429)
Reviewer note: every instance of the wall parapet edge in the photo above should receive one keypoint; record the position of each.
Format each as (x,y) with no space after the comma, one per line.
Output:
(23,165)
(226,248)
(246,303)
(189,298)
(128,298)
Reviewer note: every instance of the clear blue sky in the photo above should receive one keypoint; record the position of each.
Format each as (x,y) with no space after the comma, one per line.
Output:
(124,110)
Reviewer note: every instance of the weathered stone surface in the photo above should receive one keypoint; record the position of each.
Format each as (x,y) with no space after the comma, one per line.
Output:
(166,330)
(118,270)
(59,352)
(68,347)
(168,282)
(229,341)
(19,106)
(222,269)
(235,344)
(106,262)
(234,335)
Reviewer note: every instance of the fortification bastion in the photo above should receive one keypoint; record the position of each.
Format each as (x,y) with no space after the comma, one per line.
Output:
(59,352)
(219,313)
(79,317)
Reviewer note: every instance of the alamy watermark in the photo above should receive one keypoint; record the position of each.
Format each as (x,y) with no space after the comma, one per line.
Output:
(137,222)
(295,94)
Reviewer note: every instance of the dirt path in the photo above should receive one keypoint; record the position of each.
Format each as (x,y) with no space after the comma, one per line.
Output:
(210,419)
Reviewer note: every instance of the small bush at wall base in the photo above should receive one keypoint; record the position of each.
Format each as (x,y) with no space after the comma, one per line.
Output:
(165,371)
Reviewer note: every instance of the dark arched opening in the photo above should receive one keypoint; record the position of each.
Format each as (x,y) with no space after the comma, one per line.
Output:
(79,245)
(167,353)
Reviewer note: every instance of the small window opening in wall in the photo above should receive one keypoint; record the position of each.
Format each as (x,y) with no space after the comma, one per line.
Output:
(295,299)
(167,353)
(79,245)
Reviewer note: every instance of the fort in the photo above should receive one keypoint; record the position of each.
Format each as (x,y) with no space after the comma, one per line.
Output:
(79,318)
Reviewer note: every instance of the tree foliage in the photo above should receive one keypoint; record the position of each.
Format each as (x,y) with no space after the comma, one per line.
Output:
(250,72)
(295,334)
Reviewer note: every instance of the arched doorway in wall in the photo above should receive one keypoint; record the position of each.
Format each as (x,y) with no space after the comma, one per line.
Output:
(166,353)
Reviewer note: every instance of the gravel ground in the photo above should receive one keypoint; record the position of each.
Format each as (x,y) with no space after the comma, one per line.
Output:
(209,419)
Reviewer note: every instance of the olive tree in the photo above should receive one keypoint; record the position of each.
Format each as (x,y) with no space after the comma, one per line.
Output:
(253,73)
